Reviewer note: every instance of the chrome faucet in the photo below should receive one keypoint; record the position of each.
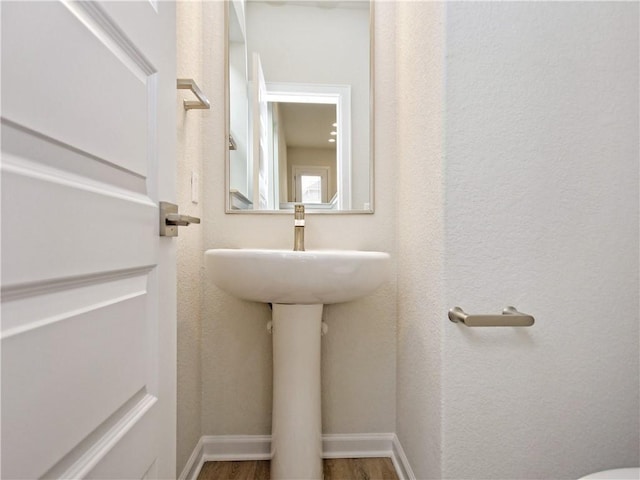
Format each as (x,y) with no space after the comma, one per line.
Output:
(298,229)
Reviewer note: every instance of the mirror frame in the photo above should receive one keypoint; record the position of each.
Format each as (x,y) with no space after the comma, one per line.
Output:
(227,125)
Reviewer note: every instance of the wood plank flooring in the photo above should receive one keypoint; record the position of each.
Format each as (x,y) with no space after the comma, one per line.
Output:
(246,470)
(334,469)
(359,469)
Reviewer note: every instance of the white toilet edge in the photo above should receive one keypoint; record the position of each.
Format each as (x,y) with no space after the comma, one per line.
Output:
(617,474)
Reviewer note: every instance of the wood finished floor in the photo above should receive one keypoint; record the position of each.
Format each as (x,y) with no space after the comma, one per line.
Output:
(334,469)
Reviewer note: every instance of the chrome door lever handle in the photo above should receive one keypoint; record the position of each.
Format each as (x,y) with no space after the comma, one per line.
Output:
(181,220)
(170,220)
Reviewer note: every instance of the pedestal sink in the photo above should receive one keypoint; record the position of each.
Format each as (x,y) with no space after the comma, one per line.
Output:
(298,284)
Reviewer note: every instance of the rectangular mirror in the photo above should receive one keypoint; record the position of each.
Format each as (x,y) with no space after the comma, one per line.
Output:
(300,114)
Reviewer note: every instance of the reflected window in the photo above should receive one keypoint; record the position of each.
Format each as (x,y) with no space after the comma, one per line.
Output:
(311,188)
(310,184)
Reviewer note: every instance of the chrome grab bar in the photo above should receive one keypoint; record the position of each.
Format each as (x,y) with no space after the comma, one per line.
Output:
(190,84)
(510,318)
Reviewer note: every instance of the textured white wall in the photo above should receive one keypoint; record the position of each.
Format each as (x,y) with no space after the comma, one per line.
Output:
(420,232)
(540,183)
(515,181)
(359,351)
(189,243)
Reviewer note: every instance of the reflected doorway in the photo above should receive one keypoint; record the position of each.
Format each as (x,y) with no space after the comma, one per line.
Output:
(310,136)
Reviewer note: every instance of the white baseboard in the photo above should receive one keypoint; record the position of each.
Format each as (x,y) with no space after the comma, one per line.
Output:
(194,464)
(257,447)
(400,461)
(226,448)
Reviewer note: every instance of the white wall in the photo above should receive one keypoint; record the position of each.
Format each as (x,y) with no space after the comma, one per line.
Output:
(420,233)
(189,153)
(539,191)
(359,351)
(340,56)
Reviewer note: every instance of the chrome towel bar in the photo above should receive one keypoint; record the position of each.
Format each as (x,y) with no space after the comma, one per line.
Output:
(510,318)
(190,84)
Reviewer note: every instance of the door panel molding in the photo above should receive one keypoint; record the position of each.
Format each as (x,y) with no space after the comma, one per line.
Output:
(65,300)
(85,105)
(73,373)
(15,292)
(93,449)
(21,142)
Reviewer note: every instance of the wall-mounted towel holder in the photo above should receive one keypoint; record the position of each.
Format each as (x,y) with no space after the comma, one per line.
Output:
(510,318)
(190,84)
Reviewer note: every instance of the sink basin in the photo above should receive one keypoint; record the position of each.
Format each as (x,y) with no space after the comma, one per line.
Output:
(298,284)
(303,278)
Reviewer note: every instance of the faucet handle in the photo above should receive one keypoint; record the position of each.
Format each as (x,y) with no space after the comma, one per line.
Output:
(299,216)
(298,228)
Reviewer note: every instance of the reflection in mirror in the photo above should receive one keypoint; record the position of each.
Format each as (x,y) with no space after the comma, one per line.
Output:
(304,151)
(298,90)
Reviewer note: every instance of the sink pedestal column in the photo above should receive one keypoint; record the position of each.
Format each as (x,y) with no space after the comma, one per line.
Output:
(296,436)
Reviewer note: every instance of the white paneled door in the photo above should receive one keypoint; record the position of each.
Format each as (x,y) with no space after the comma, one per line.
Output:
(88,287)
